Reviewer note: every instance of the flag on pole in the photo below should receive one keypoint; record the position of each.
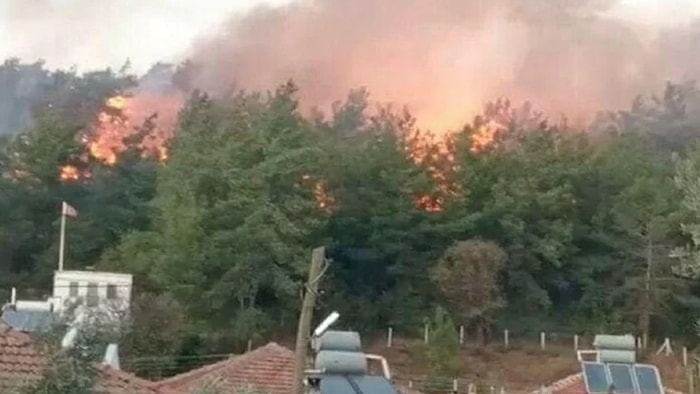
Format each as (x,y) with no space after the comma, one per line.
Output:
(69,210)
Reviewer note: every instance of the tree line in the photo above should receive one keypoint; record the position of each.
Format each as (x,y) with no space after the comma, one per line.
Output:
(546,227)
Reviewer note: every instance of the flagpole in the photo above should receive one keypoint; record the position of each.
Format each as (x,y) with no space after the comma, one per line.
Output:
(62,242)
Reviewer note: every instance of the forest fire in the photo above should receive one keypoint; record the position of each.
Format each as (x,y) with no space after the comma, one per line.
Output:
(147,121)
(148,118)
(69,173)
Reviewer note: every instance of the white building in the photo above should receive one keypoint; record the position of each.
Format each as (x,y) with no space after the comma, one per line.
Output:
(81,293)
(106,291)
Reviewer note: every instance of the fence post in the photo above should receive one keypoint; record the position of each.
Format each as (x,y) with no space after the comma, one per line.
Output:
(471,389)
(503,390)
(505,339)
(426,338)
(691,382)
(250,345)
(543,340)
(389,337)
(455,386)
(685,356)
(576,342)
(410,384)
(461,335)
(639,343)
(493,390)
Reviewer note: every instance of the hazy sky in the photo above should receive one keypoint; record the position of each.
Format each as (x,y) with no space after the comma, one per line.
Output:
(96,33)
(394,47)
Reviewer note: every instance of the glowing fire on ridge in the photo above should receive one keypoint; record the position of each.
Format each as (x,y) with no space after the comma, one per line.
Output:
(124,116)
(151,115)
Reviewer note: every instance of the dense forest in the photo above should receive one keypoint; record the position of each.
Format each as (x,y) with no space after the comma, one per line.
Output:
(541,226)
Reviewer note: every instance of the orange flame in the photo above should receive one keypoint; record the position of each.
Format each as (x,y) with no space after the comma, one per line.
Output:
(324,199)
(484,136)
(153,115)
(106,141)
(69,173)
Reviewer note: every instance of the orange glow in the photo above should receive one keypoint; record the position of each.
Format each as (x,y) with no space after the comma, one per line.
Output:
(324,199)
(116,102)
(484,136)
(434,152)
(69,173)
(151,114)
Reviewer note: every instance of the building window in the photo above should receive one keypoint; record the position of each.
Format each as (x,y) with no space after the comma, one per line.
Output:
(73,289)
(93,298)
(111,292)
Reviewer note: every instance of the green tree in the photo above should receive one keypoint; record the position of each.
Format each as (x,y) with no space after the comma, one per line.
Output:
(687,178)
(644,225)
(381,237)
(233,221)
(70,370)
(441,353)
(521,191)
(59,107)
(467,275)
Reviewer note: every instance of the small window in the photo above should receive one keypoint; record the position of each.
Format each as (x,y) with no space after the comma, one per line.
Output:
(111,292)
(73,289)
(93,298)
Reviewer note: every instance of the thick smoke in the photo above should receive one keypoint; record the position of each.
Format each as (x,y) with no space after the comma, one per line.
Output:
(445,58)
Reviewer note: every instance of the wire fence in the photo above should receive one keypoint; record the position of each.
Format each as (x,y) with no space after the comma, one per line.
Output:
(444,385)
(508,340)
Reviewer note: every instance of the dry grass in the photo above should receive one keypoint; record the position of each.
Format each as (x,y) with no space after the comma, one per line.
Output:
(522,368)
(672,371)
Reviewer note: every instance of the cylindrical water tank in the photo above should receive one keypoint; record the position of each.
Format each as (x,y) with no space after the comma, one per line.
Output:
(341,362)
(348,341)
(614,342)
(617,356)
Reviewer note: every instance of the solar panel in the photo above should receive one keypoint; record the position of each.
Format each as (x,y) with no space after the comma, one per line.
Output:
(621,377)
(336,384)
(369,384)
(356,384)
(648,379)
(27,320)
(596,377)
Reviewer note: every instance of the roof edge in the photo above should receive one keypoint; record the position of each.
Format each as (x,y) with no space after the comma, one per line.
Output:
(202,371)
(575,378)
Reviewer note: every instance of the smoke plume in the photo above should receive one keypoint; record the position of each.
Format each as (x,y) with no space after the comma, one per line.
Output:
(445,58)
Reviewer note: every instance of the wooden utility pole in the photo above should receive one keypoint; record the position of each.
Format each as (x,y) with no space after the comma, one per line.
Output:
(307,313)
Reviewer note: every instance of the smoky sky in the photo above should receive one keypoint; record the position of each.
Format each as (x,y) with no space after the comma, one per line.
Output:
(441,58)
(445,58)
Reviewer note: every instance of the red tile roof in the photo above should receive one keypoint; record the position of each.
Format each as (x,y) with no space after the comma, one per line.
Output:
(574,384)
(269,369)
(112,381)
(21,364)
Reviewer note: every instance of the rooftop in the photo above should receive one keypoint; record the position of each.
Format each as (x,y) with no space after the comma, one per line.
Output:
(269,368)
(21,364)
